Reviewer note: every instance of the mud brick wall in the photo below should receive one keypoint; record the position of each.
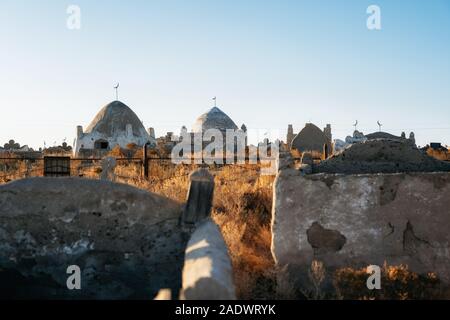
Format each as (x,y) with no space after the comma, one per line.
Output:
(127,242)
(359,220)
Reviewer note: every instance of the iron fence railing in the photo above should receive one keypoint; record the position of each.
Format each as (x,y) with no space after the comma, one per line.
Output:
(151,168)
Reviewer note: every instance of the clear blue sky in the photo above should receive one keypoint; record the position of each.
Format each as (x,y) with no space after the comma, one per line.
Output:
(269,63)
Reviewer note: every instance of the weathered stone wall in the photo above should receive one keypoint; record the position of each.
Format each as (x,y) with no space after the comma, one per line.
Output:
(359,220)
(207,272)
(382,155)
(127,242)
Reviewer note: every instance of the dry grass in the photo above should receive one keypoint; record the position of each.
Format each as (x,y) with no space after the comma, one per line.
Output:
(443,155)
(11,170)
(241,207)
(397,283)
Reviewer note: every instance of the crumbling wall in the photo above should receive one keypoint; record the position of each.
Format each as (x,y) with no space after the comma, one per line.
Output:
(360,220)
(127,242)
(381,155)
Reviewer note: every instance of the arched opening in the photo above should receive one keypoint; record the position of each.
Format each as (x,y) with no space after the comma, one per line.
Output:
(101,144)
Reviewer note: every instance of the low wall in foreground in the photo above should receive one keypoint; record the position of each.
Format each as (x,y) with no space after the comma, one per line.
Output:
(360,220)
(127,242)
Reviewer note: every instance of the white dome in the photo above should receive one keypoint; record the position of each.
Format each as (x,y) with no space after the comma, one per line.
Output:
(214,119)
(114,118)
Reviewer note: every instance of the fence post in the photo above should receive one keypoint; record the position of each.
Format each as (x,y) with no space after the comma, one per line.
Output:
(145,160)
(199,197)
(28,165)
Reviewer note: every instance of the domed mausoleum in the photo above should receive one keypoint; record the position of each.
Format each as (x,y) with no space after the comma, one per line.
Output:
(115,124)
(214,119)
(312,139)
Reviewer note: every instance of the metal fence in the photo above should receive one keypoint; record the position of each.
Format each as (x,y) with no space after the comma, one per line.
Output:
(147,168)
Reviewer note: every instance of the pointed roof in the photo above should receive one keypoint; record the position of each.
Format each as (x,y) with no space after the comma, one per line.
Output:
(114,118)
(310,138)
(214,119)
